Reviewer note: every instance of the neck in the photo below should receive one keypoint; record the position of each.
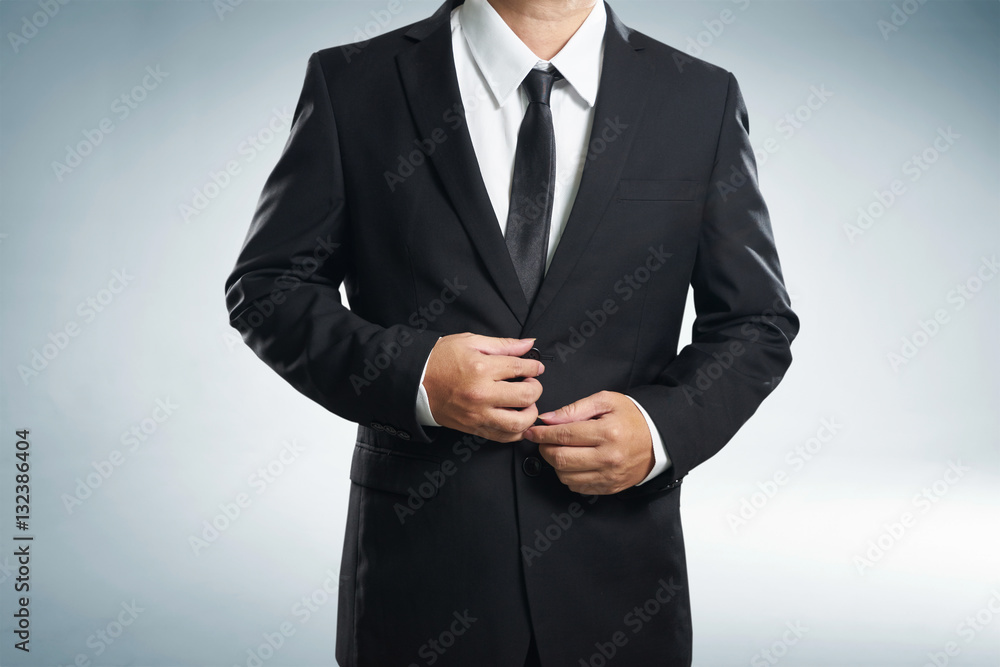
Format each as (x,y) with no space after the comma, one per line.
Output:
(544,25)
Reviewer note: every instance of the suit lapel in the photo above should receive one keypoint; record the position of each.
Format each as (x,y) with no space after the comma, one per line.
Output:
(621,97)
(428,75)
(431,86)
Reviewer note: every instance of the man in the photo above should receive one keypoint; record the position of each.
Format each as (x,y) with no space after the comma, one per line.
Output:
(516,195)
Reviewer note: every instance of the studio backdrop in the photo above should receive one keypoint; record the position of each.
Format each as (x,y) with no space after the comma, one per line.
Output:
(168,500)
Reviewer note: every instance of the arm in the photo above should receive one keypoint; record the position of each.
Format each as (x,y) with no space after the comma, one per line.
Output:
(740,344)
(744,325)
(284,298)
(283,295)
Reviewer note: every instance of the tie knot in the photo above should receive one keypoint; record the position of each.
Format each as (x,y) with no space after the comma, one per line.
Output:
(538,84)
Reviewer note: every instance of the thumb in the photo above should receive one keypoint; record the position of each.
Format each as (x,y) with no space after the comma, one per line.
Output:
(582,410)
(510,347)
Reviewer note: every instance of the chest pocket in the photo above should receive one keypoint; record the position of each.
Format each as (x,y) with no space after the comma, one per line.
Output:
(659,190)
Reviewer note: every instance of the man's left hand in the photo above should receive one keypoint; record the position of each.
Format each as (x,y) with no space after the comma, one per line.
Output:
(598,445)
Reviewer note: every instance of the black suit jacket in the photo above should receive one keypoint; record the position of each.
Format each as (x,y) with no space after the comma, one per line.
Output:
(456,547)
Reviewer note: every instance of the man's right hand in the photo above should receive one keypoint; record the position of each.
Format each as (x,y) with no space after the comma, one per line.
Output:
(467,387)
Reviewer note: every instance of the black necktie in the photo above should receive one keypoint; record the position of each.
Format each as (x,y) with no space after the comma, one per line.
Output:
(530,212)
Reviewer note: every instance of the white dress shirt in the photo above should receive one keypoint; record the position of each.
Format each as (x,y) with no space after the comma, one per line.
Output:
(491,62)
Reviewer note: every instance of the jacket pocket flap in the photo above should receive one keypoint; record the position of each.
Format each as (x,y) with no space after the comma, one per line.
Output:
(394,472)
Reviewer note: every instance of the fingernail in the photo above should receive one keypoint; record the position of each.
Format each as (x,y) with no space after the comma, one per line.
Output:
(547,415)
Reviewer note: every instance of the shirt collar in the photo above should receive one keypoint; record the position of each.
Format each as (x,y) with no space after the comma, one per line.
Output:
(504,59)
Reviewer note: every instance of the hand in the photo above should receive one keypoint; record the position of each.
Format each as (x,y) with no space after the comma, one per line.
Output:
(467,388)
(598,445)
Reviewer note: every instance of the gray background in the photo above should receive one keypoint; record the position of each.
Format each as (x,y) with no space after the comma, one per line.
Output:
(898,427)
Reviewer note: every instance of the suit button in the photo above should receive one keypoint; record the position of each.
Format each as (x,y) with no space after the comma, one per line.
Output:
(377,426)
(391,430)
(531,466)
(533,353)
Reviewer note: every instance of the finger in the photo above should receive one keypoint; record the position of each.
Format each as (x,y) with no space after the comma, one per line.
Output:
(510,347)
(589,483)
(584,478)
(500,436)
(509,424)
(570,459)
(516,394)
(586,408)
(515,367)
(576,434)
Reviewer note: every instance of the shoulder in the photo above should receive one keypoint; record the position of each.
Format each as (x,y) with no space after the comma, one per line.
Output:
(678,65)
(368,57)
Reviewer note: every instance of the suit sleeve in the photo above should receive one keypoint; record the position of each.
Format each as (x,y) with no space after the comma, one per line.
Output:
(661,460)
(283,294)
(744,324)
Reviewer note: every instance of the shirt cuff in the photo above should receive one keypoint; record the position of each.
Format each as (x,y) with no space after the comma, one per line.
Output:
(423,406)
(661,460)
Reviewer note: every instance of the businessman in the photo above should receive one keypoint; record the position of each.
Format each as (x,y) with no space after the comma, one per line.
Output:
(516,196)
